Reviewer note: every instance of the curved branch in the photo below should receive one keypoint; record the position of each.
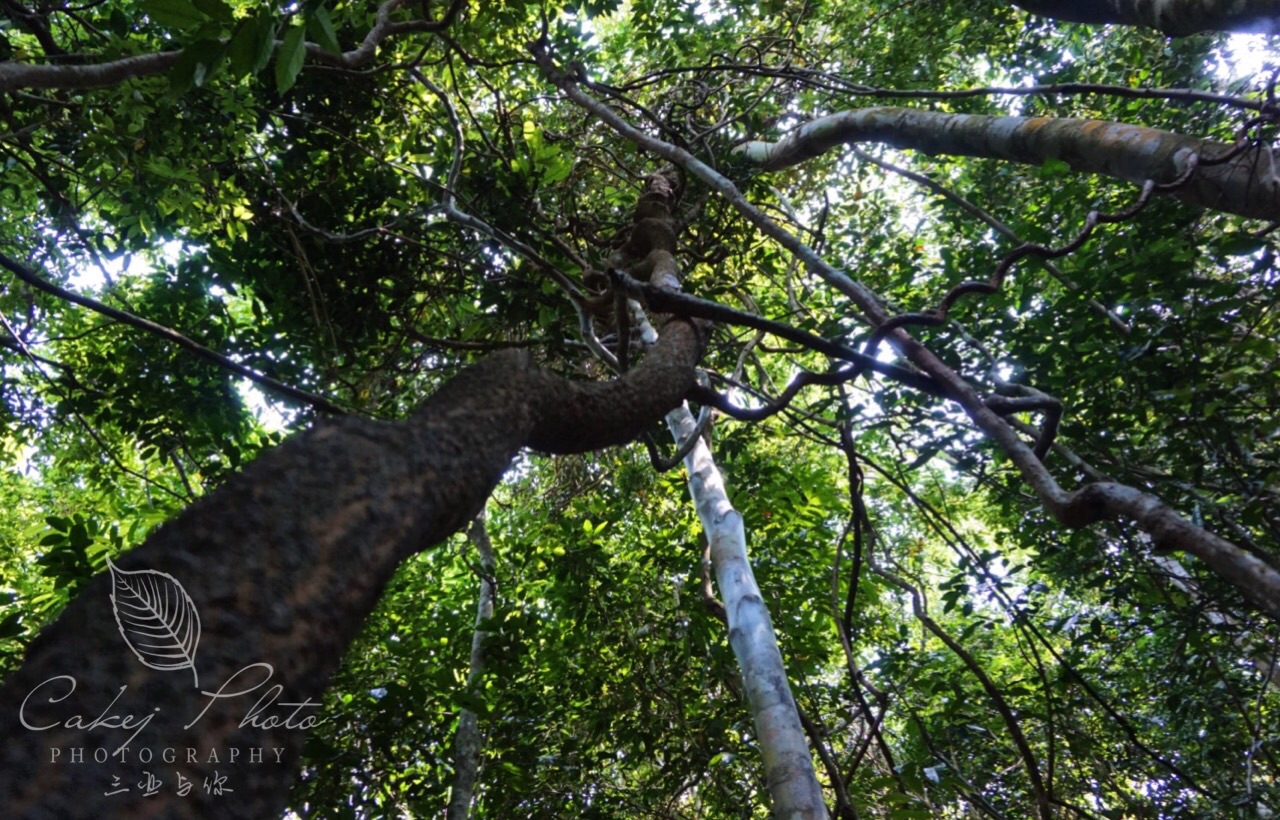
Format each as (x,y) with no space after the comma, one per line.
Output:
(1248,184)
(663,465)
(14,76)
(707,396)
(939,314)
(1118,324)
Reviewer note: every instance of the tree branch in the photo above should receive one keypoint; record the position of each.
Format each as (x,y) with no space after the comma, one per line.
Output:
(35,280)
(682,304)
(1247,184)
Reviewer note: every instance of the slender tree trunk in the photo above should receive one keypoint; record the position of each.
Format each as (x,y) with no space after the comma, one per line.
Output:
(1177,18)
(1248,184)
(281,565)
(792,781)
(468,739)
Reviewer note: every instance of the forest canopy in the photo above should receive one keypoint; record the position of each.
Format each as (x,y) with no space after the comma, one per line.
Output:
(965,313)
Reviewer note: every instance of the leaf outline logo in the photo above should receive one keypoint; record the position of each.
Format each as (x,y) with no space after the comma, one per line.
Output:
(157,618)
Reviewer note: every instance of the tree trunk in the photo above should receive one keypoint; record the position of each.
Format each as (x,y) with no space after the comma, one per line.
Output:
(788,763)
(1248,184)
(282,564)
(1176,18)
(467,742)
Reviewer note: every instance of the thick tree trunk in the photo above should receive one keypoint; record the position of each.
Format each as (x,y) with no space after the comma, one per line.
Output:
(1176,18)
(282,564)
(1247,184)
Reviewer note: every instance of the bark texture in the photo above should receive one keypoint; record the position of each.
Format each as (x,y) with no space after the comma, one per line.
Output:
(1177,18)
(792,783)
(282,564)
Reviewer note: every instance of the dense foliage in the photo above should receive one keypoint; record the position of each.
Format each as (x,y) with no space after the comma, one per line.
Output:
(286,210)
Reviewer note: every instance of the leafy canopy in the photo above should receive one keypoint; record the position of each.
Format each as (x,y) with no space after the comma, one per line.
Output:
(280,203)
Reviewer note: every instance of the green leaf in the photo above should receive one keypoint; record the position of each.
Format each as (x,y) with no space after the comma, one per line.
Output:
(251,46)
(196,63)
(179,14)
(162,168)
(289,60)
(320,27)
(1053,168)
(1242,244)
(216,10)
(119,23)
(79,537)
(557,171)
